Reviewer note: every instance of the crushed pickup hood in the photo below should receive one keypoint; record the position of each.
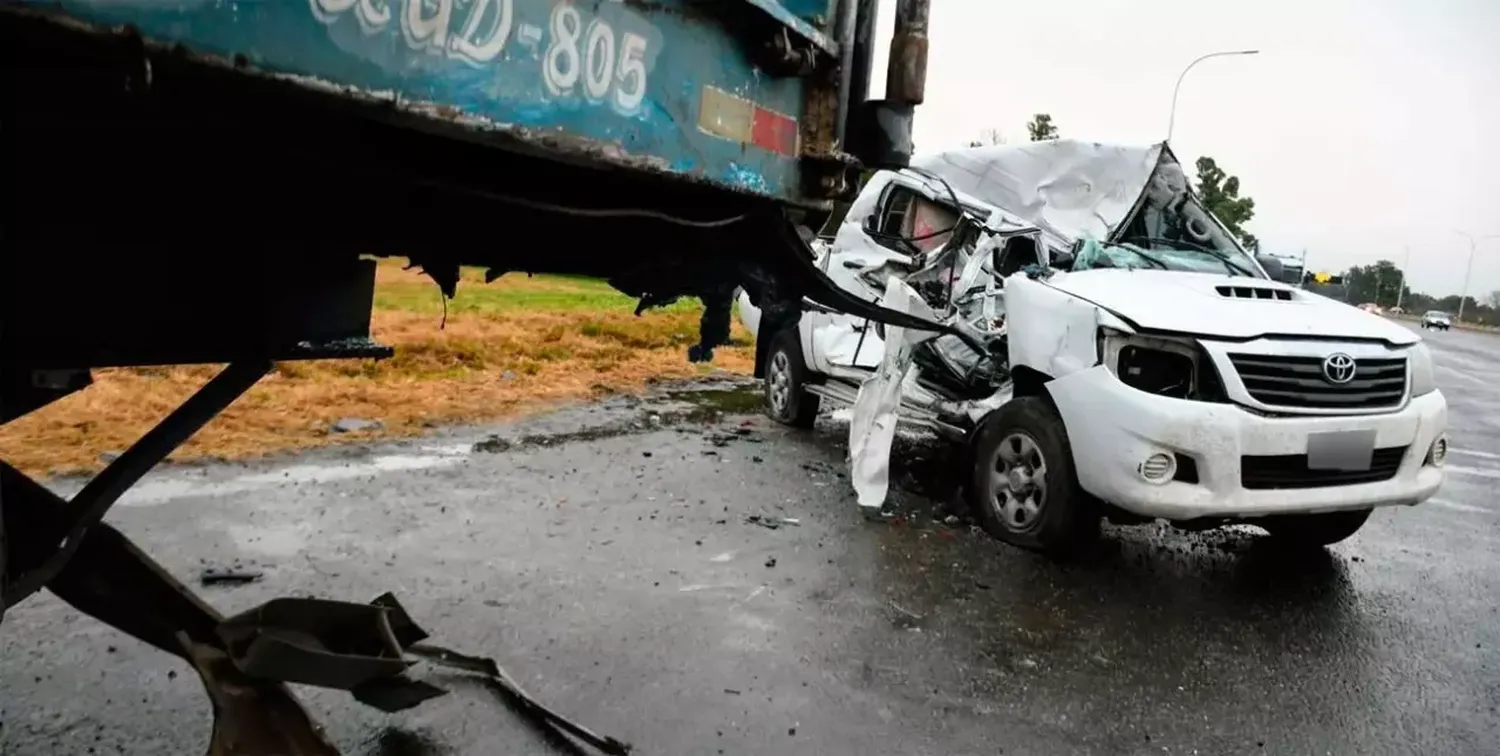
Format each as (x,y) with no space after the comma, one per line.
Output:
(1192,303)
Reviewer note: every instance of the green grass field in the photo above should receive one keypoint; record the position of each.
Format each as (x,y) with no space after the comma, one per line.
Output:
(516,345)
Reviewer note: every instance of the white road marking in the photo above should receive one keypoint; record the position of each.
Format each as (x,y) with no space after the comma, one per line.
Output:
(166,489)
(1472,453)
(1458,506)
(1472,471)
(705,587)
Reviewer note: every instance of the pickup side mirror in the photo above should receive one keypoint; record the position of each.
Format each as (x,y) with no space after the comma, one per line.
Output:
(1273,267)
(1062,259)
(871,224)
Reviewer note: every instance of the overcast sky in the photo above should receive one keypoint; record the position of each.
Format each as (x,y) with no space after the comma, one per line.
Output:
(1361,128)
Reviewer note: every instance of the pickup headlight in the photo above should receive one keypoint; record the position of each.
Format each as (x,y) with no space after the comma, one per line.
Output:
(1158,365)
(1419,358)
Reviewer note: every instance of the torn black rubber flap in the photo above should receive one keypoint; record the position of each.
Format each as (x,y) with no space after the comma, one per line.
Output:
(363,648)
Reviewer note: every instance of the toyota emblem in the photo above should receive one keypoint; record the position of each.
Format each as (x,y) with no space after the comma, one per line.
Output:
(1338,368)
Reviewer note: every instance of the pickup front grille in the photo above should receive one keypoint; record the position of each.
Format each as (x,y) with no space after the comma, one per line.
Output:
(1290,471)
(1281,381)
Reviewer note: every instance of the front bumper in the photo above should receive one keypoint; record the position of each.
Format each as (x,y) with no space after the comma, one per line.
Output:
(1113,429)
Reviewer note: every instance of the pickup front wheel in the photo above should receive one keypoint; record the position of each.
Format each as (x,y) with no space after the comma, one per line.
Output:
(787,400)
(1024,490)
(1315,530)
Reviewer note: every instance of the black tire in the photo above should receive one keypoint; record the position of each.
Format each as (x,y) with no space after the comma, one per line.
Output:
(1059,521)
(787,400)
(1315,530)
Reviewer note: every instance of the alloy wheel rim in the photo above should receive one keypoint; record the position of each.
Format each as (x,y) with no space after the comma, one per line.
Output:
(779,383)
(1018,482)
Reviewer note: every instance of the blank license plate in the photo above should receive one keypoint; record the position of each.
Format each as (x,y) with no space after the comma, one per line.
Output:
(1340,450)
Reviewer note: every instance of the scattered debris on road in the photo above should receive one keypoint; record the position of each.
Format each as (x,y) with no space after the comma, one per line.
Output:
(354,424)
(228,576)
(904,611)
(493,445)
(772,522)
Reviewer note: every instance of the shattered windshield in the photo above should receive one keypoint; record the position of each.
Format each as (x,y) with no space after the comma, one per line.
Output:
(1170,230)
(1143,255)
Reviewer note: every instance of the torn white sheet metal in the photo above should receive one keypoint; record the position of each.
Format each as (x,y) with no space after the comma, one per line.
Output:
(846,341)
(1051,330)
(1071,188)
(978,271)
(872,427)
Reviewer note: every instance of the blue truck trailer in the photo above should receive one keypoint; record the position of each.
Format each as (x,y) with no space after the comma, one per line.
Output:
(209,180)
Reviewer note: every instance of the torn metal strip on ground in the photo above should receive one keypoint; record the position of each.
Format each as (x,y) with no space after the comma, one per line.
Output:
(363,648)
(495,675)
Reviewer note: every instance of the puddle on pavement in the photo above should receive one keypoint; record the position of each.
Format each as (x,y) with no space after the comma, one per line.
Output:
(739,400)
(675,408)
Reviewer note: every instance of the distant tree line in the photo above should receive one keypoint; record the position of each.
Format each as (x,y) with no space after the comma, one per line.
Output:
(1382,283)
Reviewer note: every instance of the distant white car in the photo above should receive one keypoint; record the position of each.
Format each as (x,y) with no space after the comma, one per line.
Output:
(1436,319)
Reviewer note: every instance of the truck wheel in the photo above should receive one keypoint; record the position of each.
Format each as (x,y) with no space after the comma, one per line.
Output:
(1024,490)
(787,400)
(1315,530)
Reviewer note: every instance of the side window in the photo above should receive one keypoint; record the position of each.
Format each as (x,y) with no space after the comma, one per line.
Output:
(908,220)
(895,210)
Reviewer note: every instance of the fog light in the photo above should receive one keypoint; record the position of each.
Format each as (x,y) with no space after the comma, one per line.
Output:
(1158,468)
(1439,452)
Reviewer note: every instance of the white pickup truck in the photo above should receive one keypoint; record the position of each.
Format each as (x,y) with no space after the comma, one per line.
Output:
(1121,355)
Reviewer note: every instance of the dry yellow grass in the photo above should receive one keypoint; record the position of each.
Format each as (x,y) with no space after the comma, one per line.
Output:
(517,345)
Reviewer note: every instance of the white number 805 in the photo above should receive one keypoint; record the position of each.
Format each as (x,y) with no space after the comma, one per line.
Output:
(576,52)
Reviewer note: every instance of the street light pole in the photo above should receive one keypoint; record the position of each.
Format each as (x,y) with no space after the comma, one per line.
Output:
(1463,296)
(1172,117)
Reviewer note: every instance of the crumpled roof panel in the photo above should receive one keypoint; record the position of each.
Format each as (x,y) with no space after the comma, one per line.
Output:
(1070,188)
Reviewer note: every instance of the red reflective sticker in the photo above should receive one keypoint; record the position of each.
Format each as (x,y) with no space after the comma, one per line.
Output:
(774,131)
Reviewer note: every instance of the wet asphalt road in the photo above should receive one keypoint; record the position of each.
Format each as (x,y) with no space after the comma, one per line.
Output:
(608,566)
